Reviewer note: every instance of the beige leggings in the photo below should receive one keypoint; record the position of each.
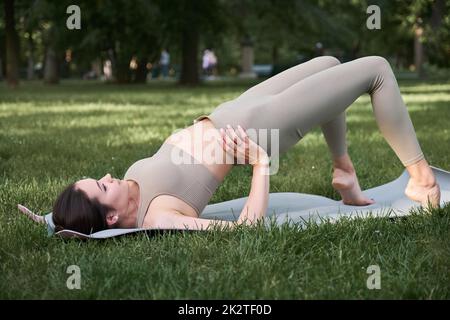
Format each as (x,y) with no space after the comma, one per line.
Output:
(318,92)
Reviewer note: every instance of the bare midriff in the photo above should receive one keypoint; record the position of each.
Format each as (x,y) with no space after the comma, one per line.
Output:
(187,139)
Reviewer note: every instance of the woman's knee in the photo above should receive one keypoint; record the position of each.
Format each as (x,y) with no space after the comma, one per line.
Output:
(329,60)
(381,70)
(379,62)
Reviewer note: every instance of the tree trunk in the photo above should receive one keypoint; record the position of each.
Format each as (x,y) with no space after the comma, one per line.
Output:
(418,51)
(189,63)
(12,46)
(1,68)
(354,52)
(435,45)
(120,64)
(141,71)
(247,58)
(437,13)
(275,54)
(121,72)
(30,67)
(51,71)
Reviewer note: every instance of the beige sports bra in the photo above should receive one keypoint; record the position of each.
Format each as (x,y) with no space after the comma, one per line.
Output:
(163,173)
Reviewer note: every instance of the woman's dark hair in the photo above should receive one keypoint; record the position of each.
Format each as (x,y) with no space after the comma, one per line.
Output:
(75,211)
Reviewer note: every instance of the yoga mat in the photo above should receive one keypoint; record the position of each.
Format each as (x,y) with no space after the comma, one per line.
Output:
(292,207)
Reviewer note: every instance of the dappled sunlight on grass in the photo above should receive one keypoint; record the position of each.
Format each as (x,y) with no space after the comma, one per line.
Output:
(424,88)
(426,98)
(51,136)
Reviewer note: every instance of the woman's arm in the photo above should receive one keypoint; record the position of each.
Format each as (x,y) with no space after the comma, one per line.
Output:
(242,148)
(254,209)
(176,220)
(256,205)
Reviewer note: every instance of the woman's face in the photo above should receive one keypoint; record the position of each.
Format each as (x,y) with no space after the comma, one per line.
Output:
(108,191)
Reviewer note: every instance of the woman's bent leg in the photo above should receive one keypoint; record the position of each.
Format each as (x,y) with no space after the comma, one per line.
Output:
(321,97)
(287,78)
(344,180)
(334,130)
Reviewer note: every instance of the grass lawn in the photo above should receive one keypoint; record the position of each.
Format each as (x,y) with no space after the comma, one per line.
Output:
(52,136)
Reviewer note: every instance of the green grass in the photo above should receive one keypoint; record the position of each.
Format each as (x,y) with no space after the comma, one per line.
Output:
(51,136)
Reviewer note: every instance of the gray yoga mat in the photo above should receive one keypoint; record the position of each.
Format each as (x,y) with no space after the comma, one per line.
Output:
(291,207)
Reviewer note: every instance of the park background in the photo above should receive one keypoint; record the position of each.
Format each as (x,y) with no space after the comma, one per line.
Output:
(38,43)
(83,102)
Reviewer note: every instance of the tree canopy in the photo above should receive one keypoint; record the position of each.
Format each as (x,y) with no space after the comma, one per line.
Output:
(34,36)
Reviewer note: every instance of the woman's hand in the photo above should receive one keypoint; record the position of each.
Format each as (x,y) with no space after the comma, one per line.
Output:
(237,144)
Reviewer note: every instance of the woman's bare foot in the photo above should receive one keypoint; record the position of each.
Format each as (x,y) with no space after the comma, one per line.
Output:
(422,185)
(346,183)
(423,193)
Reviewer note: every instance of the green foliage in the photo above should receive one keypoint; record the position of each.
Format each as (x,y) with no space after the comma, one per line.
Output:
(282,32)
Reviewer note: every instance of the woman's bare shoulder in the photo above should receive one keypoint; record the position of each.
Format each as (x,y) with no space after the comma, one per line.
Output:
(164,218)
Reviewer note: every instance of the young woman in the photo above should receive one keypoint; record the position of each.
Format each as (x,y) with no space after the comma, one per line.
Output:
(163,192)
